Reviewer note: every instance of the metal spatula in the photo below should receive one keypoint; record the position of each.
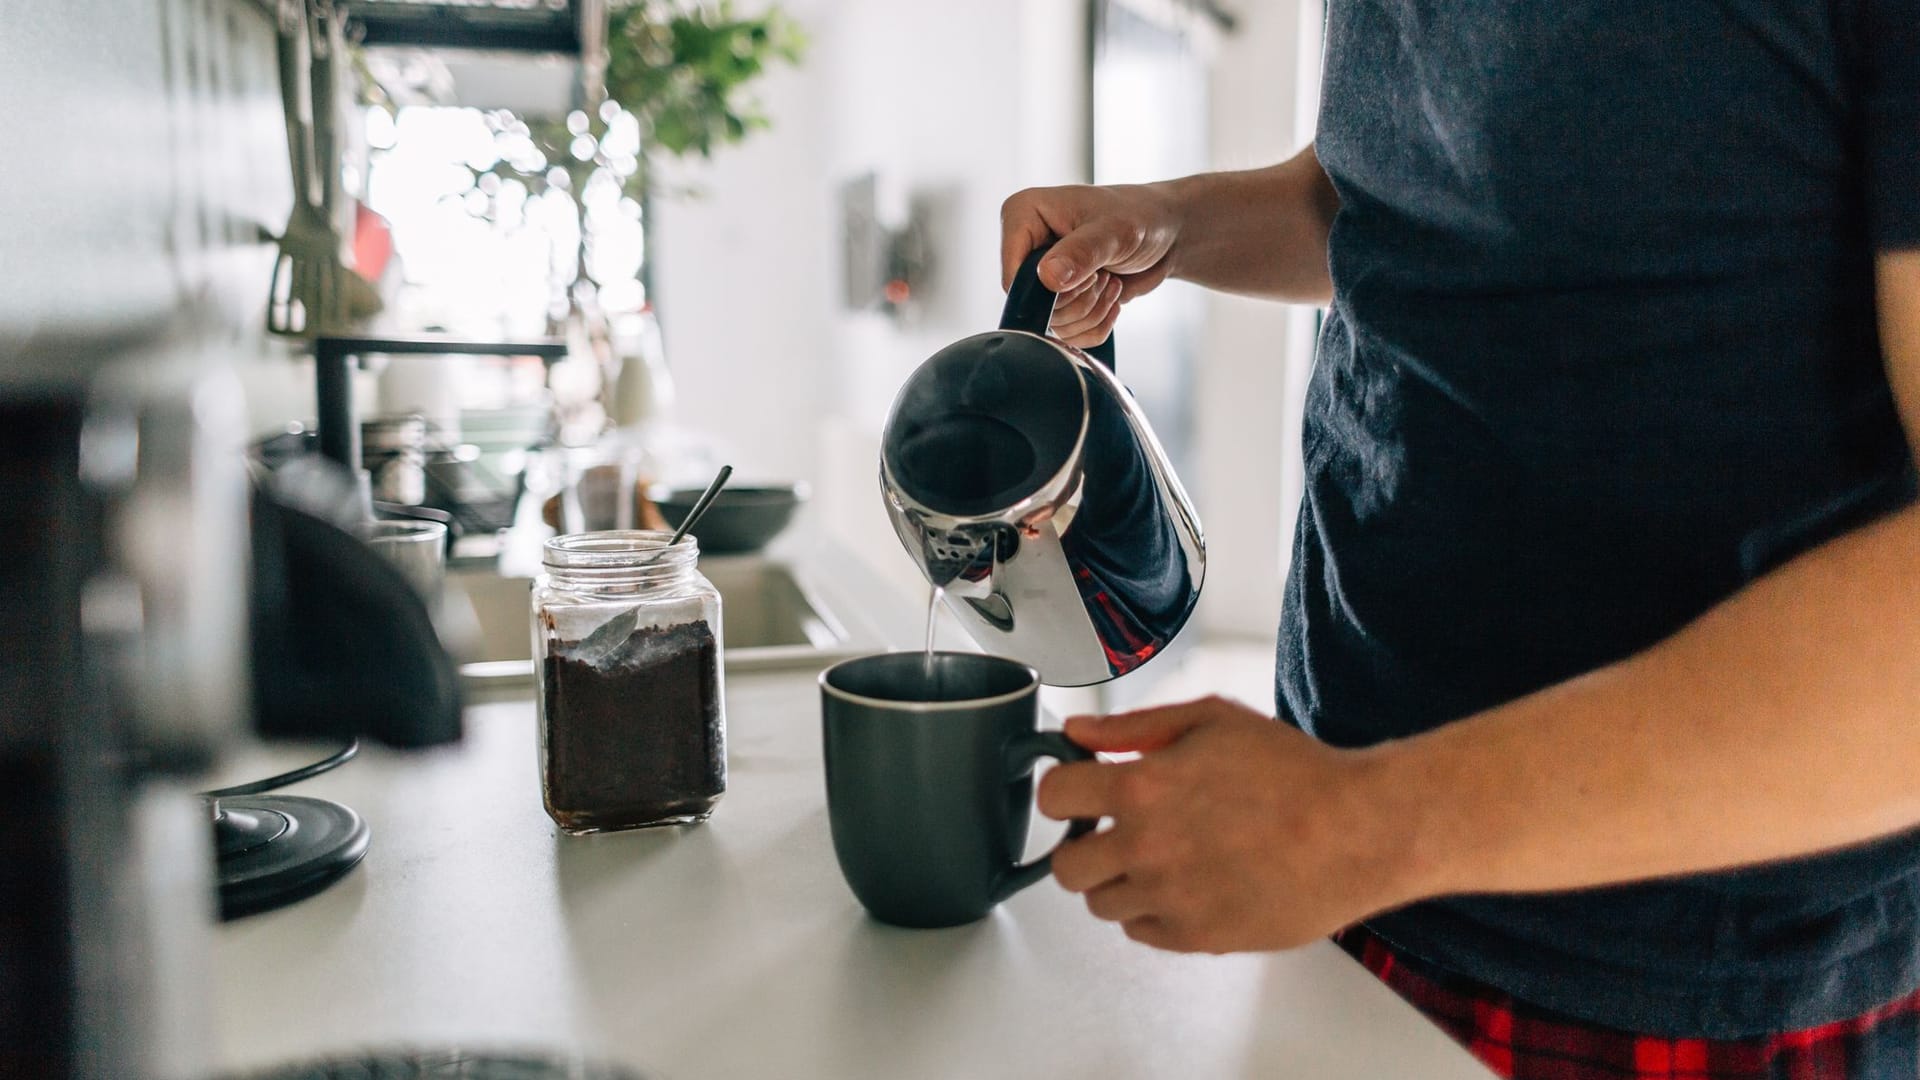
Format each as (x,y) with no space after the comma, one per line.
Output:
(312,290)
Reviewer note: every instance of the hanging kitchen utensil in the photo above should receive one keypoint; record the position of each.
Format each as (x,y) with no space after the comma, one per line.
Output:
(312,290)
(294,292)
(354,299)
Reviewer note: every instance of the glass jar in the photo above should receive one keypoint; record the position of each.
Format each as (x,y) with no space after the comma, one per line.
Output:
(626,647)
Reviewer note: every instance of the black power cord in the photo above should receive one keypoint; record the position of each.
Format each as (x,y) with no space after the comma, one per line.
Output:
(292,776)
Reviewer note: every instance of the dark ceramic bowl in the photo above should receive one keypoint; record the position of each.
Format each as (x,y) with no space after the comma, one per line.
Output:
(741,520)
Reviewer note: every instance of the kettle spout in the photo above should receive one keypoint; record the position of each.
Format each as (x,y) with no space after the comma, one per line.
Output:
(951,555)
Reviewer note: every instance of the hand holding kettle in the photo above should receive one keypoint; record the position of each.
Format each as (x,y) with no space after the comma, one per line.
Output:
(1116,243)
(1260,232)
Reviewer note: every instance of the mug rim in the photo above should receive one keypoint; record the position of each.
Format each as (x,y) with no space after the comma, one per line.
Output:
(1032,687)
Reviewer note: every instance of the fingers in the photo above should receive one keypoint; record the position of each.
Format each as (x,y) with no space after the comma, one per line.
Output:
(1138,908)
(1154,931)
(1076,304)
(1146,729)
(1090,862)
(1142,915)
(1099,243)
(1022,228)
(1079,789)
(1087,339)
(1137,284)
(1096,305)
(1119,901)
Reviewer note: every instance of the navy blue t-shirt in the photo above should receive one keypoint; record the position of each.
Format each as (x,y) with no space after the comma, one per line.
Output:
(1603,349)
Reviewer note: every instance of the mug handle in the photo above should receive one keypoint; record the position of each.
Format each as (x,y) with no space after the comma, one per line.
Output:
(1022,752)
(1030,305)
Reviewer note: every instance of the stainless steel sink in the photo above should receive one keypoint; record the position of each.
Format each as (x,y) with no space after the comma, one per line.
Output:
(771,620)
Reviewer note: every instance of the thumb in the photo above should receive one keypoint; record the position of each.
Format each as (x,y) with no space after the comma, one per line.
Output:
(1146,729)
(1083,251)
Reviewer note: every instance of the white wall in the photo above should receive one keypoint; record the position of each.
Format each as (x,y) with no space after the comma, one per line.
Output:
(743,284)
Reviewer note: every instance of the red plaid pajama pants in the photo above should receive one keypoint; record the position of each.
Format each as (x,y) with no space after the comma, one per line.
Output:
(1522,1042)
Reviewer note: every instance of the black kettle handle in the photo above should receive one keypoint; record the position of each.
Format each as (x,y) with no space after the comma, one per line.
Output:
(1030,305)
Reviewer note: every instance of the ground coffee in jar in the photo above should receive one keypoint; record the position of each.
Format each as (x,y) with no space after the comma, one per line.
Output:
(633,724)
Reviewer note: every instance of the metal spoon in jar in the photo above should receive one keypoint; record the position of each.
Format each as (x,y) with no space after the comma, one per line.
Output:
(700,505)
(614,632)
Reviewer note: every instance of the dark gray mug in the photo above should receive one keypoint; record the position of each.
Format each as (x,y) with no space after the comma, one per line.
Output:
(930,782)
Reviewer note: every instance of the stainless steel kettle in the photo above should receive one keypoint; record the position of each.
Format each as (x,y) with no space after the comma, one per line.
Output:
(1025,481)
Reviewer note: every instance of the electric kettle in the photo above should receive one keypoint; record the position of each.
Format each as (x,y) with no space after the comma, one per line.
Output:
(1024,480)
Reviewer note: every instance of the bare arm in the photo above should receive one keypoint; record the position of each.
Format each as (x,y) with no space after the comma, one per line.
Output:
(1262,232)
(1784,721)
(1258,233)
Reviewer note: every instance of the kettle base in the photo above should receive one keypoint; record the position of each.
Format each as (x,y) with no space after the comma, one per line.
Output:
(276,849)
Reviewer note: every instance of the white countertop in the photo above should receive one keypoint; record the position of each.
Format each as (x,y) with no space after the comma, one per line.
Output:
(733,949)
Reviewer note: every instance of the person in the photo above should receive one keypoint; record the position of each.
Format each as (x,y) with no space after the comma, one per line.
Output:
(1600,649)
